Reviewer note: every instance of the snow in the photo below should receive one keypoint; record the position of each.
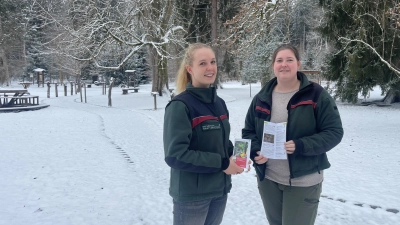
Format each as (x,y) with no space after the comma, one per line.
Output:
(77,163)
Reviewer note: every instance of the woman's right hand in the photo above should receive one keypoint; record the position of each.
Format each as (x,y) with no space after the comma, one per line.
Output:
(233,168)
(260,159)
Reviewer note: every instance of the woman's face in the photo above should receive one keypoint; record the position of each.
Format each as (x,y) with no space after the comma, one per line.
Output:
(286,65)
(203,69)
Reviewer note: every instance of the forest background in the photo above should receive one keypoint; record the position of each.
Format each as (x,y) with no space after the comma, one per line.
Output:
(354,43)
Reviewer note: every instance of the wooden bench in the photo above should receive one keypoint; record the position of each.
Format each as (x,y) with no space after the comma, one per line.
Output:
(125,90)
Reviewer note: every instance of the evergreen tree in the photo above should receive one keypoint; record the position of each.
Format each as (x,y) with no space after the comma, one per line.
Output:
(141,66)
(34,38)
(11,41)
(365,36)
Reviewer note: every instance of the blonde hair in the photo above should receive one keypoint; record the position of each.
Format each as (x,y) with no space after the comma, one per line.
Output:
(183,76)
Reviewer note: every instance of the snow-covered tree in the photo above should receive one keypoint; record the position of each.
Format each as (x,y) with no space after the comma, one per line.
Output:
(261,26)
(107,33)
(11,41)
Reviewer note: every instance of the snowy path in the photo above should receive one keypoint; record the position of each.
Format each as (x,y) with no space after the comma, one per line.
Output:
(76,163)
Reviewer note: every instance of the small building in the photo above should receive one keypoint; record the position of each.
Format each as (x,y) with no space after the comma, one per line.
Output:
(131,77)
(39,76)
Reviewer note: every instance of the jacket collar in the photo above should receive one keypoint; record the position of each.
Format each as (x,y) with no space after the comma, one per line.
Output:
(206,95)
(265,93)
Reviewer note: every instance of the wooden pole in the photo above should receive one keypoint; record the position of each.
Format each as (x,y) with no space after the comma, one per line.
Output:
(84,88)
(155,99)
(55,86)
(80,92)
(79,89)
(72,89)
(65,89)
(109,92)
(48,90)
(155,102)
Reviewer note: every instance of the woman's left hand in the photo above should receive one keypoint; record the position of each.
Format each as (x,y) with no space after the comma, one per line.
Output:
(290,147)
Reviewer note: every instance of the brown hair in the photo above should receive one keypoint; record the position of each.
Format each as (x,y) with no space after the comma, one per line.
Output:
(284,47)
(183,76)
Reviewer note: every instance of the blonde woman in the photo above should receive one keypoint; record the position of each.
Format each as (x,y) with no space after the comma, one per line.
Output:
(196,142)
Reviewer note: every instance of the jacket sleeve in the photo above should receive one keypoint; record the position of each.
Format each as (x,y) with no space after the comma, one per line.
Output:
(329,127)
(249,130)
(230,148)
(176,137)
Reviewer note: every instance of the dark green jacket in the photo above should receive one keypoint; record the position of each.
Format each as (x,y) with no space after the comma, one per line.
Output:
(314,125)
(196,145)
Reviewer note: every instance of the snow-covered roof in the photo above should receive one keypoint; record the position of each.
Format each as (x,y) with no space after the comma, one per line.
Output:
(130,71)
(39,70)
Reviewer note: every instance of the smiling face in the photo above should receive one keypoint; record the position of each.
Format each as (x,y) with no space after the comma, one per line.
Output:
(203,68)
(286,65)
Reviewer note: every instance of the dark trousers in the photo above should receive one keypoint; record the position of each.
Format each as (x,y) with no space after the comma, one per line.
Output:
(203,212)
(288,205)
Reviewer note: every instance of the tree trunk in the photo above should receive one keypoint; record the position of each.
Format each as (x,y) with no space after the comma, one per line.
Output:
(154,65)
(109,92)
(392,96)
(3,59)
(162,74)
(4,66)
(214,22)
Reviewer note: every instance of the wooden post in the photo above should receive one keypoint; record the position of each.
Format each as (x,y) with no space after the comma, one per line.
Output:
(78,80)
(55,86)
(84,88)
(155,99)
(48,89)
(72,89)
(104,88)
(80,91)
(109,92)
(250,90)
(65,89)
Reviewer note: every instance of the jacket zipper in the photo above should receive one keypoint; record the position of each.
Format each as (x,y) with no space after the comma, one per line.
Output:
(287,130)
(223,134)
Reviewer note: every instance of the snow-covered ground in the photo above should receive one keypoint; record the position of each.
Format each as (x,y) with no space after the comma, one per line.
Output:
(76,163)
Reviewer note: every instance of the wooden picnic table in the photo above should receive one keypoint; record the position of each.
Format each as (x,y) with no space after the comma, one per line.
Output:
(9,97)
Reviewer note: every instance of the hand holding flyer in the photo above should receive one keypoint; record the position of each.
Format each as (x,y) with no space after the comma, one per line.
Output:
(241,153)
(274,137)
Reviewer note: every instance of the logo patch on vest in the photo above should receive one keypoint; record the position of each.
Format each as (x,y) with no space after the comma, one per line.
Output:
(206,127)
